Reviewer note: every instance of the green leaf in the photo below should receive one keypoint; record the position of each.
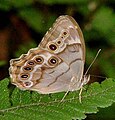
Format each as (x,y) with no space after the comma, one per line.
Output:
(23,49)
(36,19)
(8,4)
(107,67)
(5,5)
(51,2)
(20,3)
(103,22)
(33,17)
(107,114)
(4,95)
(33,106)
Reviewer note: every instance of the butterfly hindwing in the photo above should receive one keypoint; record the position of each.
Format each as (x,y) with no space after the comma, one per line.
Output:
(57,64)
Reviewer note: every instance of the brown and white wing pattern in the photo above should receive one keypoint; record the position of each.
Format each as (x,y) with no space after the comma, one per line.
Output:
(57,64)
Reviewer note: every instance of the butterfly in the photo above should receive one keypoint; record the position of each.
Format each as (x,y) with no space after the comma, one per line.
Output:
(57,64)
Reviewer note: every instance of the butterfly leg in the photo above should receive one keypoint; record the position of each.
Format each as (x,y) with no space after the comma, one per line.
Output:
(85,81)
(64,96)
(81,89)
(80,93)
(68,89)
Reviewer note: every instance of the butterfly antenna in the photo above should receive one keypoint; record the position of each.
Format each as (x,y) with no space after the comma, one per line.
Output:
(93,61)
(98,76)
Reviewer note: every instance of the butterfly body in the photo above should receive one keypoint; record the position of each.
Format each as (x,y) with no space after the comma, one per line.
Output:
(57,64)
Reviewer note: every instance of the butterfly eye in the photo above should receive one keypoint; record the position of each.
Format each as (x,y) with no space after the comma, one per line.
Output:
(39,60)
(53,61)
(52,47)
(31,63)
(24,76)
(27,68)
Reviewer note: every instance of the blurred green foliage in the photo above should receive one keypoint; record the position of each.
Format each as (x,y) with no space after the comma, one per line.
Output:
(95,17)
(23,49)
(2,63)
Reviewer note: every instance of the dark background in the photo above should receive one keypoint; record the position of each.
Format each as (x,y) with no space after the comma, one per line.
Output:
(23,23)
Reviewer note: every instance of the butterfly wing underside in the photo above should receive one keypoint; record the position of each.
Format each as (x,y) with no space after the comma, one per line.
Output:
(57,64)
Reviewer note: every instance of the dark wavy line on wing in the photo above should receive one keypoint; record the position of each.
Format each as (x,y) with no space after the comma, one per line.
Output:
(63,72)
